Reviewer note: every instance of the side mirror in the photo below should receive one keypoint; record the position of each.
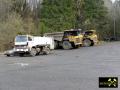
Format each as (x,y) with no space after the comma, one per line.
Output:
(29,39)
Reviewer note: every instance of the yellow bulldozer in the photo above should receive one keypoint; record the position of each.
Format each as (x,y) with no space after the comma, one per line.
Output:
(72,39)
(90,38)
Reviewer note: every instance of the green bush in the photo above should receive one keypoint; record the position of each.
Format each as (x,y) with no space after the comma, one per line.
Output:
(8,30)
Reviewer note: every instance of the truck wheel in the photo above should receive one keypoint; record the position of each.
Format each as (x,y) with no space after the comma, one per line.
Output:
(38,51)
(21,54)
(33,52)
(87,42)
(8,55)
(66,45)
(46,51)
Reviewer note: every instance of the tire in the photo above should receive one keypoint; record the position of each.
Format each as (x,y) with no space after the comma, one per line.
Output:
(67,45)
(8,55)
(46,51)
(87,43)
(21,54)
(38,51)
(33,52)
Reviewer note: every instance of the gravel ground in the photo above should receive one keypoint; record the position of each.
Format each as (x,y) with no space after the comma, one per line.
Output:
(76,69)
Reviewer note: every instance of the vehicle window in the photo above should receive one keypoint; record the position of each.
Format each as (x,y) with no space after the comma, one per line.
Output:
(79,32)
(29,39)
(20,39)
(71,33)
(88,33)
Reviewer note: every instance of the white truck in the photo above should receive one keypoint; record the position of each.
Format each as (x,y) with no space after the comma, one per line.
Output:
(32,45)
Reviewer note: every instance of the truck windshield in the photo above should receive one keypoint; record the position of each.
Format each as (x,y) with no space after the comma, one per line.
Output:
(71,33)
(20,39)
(88,33)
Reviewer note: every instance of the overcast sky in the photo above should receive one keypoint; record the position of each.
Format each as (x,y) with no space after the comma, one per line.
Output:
(113,1)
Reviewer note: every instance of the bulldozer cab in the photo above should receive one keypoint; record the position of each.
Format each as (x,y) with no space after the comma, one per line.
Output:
(71,33)
(90,33)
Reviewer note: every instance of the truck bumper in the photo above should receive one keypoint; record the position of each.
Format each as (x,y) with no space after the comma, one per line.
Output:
(21,50)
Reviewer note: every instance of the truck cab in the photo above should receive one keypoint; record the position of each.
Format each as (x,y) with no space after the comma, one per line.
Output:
(22,43)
